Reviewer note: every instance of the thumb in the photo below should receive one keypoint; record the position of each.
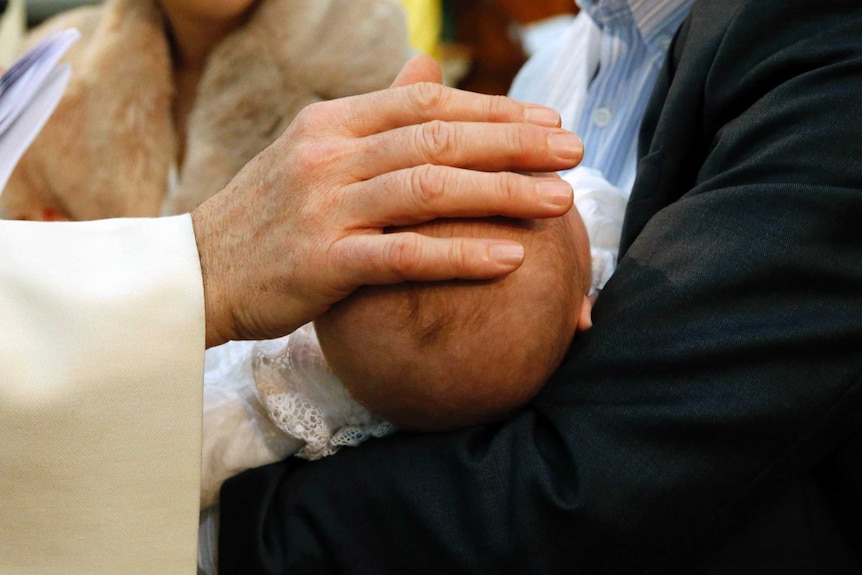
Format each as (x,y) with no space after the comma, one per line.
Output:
(421,68)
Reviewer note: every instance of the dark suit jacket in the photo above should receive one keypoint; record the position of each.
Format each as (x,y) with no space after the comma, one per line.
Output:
(710,421)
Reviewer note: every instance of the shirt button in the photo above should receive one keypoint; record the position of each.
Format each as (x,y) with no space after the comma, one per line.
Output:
(663,42)
(602,117)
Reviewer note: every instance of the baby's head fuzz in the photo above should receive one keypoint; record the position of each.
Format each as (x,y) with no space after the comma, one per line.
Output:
(432,356)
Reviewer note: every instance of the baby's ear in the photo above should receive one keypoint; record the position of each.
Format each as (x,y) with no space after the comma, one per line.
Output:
(585,316)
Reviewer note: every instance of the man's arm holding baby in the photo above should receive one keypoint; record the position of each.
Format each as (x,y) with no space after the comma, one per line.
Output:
(673,422)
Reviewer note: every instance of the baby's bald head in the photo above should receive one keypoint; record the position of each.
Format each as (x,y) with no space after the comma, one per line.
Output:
(432,356)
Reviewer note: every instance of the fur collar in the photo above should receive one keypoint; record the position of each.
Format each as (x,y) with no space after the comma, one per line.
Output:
(113,132)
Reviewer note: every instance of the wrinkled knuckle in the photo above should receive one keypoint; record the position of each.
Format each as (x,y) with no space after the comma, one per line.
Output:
(437,140)
(459,256)
(307,157)
(312,157)
(499,108)
(508,187)
(519,144)
(428,184)
(309,117)
(404,255)
(428,96)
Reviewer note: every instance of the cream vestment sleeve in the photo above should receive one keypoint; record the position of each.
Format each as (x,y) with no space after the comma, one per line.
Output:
(101,368)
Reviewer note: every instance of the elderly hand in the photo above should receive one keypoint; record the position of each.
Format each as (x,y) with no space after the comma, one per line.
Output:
(302,225)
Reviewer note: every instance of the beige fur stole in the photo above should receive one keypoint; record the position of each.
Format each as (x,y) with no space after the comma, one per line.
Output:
(108,149)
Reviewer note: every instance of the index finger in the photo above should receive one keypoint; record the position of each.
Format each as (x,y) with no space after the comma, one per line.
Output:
(384,110)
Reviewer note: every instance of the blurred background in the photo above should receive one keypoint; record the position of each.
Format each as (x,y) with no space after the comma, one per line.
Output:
(38,10)
(480,43)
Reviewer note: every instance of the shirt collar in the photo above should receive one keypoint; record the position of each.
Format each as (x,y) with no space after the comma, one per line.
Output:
(655,20)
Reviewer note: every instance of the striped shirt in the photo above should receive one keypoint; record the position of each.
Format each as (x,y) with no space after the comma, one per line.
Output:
(599,76)
(635,35)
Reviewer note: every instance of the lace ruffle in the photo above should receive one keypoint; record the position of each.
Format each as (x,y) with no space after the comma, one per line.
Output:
(304,399)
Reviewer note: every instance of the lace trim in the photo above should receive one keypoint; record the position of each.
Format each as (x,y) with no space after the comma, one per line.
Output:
(304,399)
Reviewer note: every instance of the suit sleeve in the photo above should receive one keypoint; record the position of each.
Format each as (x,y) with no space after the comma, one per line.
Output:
(101,367)
(723,363)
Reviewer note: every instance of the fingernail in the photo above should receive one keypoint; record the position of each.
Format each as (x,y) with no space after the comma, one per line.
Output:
(566,146)
(507,254)
(556,193)
(542,116)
